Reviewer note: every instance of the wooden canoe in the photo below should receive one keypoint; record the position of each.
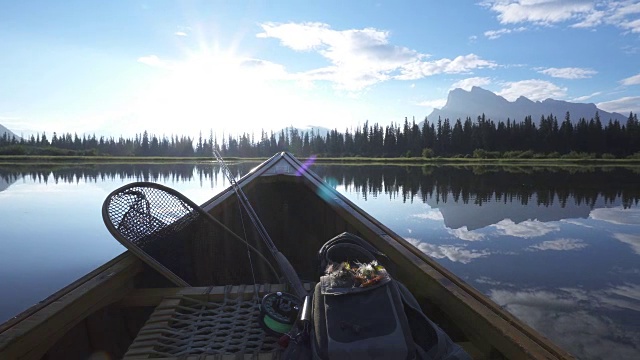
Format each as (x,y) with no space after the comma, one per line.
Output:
(121,306)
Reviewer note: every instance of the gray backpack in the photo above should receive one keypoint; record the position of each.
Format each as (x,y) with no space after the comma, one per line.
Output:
(361,312)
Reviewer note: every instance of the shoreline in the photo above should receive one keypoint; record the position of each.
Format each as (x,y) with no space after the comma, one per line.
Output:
(39,159)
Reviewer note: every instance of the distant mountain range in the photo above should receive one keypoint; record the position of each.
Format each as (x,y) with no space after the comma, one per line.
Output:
(4,130)
(462,104)
(322,131)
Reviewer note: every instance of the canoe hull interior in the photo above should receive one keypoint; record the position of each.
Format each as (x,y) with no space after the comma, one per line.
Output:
(103,312)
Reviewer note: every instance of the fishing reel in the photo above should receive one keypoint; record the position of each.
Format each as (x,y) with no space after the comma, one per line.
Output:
(278,312)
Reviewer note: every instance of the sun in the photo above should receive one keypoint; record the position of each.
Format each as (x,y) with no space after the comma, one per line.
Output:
(217,90)
(227,93)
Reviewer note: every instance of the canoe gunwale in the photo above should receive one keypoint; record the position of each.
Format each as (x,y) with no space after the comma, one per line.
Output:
(65,290)
(30,334)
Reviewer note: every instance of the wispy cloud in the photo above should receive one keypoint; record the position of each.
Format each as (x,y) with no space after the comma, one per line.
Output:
(616,215)
(154,61)
(576,222)
(183,31)
(573,317)
(431,214)
(526,229)
(495,34)
(454,253)
(624,105)
(632,80)
(460,65)
(464,233)
(569,73)
(632,240)
(559,245)
(363,57)
(533,89)
(468,83)
(575,13)
(586,97)
(539,12)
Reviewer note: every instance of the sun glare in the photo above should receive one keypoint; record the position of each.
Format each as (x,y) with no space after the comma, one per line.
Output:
(229,94)
(217,91)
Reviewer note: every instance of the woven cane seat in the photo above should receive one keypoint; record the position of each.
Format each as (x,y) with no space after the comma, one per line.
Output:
(220,323)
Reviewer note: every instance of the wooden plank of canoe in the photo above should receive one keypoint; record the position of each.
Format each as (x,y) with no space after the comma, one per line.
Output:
(259,356)
(33,335)
(154,296)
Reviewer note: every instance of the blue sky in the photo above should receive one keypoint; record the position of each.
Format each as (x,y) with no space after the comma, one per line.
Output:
(180,67)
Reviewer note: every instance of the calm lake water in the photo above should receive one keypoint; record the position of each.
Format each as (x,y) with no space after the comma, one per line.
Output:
(558,248)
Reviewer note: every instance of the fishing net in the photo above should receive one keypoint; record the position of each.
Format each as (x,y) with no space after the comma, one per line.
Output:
(144,214)
(172,234)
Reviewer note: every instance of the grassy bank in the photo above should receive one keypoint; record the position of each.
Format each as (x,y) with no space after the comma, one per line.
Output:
(38,159)
(46,159)
(476,161)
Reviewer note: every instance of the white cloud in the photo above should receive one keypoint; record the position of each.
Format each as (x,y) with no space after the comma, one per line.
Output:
(495,34)
(576,222)
(489,281)
(586,97)
(569,73)
(633,26)
(468,83)
(573,318)
(459,65)
(632,80)
(539,12)
(302,37)
(526,229)
(431,214)
(575,13)
(180,33)
(533,89)
(154,61)
(623,105)
(451,252)
(362,57)
(630,239)
(560,245)
(617,215)
(464,233)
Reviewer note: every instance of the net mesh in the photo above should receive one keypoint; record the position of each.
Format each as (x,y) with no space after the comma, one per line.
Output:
(132,214)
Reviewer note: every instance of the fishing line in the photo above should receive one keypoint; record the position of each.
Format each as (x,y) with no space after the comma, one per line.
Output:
(278,311)
(253,275)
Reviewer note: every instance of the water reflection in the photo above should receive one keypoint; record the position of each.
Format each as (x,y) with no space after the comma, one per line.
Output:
(583,187)
(566,316)
(175,172)
(556,247)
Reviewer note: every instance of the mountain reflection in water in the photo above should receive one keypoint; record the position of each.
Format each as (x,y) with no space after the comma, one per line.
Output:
(557,247)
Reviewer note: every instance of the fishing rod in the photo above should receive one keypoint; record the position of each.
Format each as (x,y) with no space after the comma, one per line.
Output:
(284,264)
